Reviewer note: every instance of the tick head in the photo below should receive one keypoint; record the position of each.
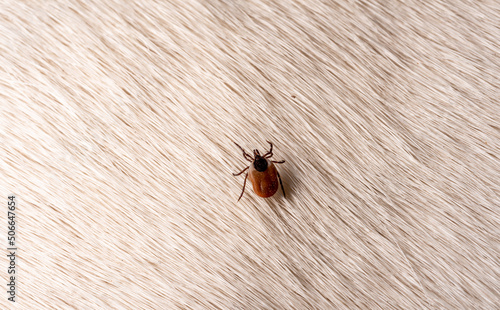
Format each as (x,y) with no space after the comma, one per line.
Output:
(260,163)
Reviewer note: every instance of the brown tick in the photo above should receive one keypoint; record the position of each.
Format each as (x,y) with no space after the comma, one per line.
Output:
(263,173)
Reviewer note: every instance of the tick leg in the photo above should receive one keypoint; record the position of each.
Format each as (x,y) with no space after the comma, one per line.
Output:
(237,174)
(244,183)
(278,162)
(245,154)
(279,177)
(270,153)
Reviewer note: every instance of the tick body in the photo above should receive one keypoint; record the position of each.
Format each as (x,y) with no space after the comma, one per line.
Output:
(262,173)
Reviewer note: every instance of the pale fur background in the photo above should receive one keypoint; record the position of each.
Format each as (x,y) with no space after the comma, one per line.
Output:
(117,127)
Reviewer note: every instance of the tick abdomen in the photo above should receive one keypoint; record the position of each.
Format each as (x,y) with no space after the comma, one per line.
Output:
(265,183)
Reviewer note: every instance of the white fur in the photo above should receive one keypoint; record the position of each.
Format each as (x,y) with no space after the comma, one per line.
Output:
(117,130)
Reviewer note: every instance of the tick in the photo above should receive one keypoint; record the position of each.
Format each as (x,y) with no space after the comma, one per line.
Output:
(262,172)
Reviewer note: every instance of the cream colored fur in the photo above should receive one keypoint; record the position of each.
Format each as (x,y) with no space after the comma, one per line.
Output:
(117,127)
